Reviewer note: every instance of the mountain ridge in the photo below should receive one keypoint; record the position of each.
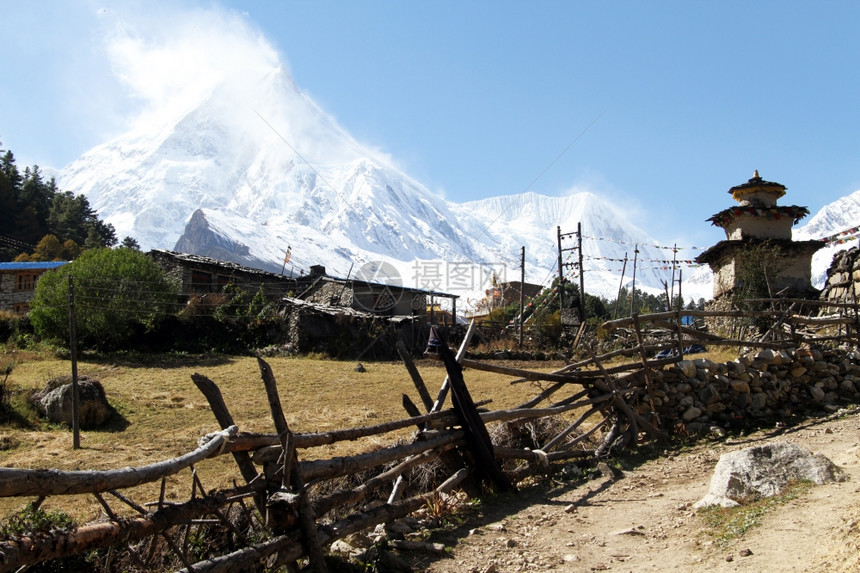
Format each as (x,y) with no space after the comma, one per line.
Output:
(246,174)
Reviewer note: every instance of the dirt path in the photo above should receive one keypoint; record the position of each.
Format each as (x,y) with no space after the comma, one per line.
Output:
(642,520)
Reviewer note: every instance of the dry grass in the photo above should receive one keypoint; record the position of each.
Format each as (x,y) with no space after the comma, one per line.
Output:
(162,414)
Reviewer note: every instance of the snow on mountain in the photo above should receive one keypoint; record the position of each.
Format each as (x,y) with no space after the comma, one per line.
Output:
(251,170)
(842,214)
(534,220)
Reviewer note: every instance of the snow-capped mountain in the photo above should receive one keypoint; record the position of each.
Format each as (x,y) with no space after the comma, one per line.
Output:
(244,174)
(842,214)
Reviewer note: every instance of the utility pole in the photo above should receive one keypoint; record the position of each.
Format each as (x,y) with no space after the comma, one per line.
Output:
(633,294)
(522,291)
(674,266)
(620,286)
(560,273)
(562,264)
(73,352)
(581,275)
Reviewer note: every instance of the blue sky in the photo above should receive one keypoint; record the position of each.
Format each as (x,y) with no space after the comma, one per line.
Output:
(660,106)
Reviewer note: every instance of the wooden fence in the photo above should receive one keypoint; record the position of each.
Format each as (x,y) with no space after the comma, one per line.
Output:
(290,508)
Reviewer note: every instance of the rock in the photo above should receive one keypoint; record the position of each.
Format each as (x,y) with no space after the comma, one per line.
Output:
(691,414)
(399,527)
(709,394)
(740,386)
(608,471)
(763,471)
(758,401)
(816,393)
(768,356)
(687,368)
(93,407)
(628,531)
(360,368)
(341,547)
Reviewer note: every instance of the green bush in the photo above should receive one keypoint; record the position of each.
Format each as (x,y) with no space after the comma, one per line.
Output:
(118,293)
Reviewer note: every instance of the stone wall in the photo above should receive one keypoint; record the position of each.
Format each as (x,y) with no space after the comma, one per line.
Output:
(843,278)
(755,388)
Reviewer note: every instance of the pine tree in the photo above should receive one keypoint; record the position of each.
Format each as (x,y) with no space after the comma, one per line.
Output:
(11,170)
(7,208)
(36,193)
(130,243)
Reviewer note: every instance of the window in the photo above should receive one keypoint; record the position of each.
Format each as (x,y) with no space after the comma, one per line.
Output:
(201,282)
(21,308)
(26,281)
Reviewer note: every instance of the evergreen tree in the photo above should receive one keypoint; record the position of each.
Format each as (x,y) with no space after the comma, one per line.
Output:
(35,193)
(104,231)
(27,228)
(32,208)
(130,243)
(11,170)
(7,217)
(70,217)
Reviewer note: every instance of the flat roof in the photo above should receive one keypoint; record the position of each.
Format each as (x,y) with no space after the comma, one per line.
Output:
(32,266)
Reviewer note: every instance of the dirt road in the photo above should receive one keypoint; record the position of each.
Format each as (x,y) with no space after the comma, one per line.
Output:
(642,519)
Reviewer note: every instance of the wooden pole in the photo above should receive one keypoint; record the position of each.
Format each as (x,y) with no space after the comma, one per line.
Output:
(415,375)
(73,352)
(443,391)
(674,265)
(620,286)
(581,275)
(560,273)
(633,292)
(522,291)
(222,414)
(307,517)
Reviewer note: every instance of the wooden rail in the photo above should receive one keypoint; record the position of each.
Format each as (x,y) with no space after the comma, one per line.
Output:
(300,506)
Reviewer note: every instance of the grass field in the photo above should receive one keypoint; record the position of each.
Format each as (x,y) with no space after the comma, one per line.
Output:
(161,414)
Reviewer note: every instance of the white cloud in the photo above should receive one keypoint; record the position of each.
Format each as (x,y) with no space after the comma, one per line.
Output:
(167,58)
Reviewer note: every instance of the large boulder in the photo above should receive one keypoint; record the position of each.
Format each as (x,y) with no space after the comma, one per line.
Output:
(93,408)
(763,471)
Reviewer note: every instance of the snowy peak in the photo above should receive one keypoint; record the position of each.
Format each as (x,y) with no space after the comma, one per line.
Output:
(841,215)
(253,166)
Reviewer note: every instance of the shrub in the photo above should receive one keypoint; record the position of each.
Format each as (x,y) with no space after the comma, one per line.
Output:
(119,293)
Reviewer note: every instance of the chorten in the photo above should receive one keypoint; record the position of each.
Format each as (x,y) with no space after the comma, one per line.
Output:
(758,220)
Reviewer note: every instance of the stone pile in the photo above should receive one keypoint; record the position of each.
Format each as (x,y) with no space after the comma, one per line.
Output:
(754,388)
(843,278)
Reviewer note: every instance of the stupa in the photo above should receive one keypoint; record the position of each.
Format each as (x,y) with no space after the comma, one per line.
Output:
(759,220)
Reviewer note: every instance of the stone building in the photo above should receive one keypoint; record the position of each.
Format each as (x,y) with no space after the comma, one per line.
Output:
(758,220)
(202,275)
(18,283)
(374,297)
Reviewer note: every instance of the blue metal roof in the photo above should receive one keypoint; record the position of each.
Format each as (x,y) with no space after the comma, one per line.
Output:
(32,266)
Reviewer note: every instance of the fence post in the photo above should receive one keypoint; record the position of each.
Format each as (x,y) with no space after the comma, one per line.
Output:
(73,352)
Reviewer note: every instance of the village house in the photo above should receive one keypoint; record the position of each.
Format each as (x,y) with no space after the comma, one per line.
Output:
(18,283)
(199,275)
(376,298)
(202,275)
